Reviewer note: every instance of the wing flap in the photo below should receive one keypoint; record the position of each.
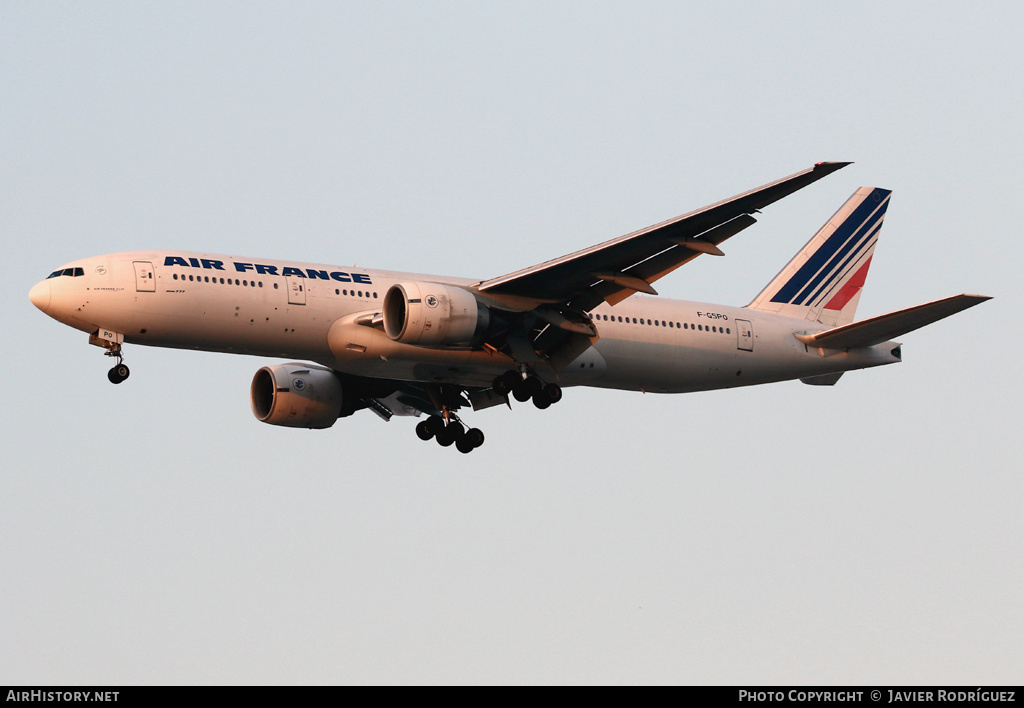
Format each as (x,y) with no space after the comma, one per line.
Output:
(876,330)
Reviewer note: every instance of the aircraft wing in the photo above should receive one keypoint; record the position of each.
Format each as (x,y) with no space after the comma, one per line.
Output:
(614,270)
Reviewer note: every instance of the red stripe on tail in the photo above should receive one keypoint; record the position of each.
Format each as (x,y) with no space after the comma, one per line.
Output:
(851,288)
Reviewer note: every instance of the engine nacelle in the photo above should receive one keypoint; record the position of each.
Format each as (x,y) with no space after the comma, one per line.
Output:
(296,395)
(431,314)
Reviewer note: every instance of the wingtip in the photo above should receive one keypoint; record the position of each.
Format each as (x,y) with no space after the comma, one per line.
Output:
(831,166)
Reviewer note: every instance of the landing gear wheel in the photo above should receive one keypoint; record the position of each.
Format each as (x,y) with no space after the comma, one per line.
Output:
(521,394)
(498,386)
(449,435)
(470,440)
(475,436)
(527,388)
(506,383)
(533,384)
(433,425)
(423,431)
(118,374)
(553,393)
(541,400)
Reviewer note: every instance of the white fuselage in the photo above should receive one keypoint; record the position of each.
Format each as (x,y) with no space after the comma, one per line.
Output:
(309,311)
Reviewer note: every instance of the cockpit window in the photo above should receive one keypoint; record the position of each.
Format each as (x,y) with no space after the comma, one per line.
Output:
(70,272)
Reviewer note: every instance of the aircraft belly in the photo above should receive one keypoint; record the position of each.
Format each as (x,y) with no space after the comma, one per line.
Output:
(663,367)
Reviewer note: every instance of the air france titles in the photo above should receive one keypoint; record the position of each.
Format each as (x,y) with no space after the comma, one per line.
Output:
(259,268)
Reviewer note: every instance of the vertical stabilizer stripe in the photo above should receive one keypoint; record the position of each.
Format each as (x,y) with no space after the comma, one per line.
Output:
(828,277)
(852,234)
(852,287)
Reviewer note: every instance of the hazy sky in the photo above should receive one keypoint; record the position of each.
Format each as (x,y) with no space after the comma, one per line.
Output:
(155,532)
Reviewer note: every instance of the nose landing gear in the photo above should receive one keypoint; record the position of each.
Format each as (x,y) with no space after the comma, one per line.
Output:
(118,373)
(111,341)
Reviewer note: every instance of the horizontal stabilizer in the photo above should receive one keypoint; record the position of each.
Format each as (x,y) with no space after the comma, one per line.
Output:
(875,330)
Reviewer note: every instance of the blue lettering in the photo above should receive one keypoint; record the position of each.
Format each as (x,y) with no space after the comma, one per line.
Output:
(311,273)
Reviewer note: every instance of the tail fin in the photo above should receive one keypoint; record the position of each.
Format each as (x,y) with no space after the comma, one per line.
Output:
(823,281)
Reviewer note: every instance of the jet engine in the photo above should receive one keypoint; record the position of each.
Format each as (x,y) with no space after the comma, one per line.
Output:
(434,315)
(296,395)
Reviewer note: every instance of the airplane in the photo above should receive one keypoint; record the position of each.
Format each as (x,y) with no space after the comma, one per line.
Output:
(412,344)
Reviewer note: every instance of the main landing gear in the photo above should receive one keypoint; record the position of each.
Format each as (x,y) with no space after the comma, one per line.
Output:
(446,427)
(450,432)
(525,388)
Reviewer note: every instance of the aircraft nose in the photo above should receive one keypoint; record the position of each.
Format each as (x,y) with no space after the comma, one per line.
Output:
(40,295)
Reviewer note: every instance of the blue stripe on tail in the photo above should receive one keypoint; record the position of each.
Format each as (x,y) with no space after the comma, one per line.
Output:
(845,244)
